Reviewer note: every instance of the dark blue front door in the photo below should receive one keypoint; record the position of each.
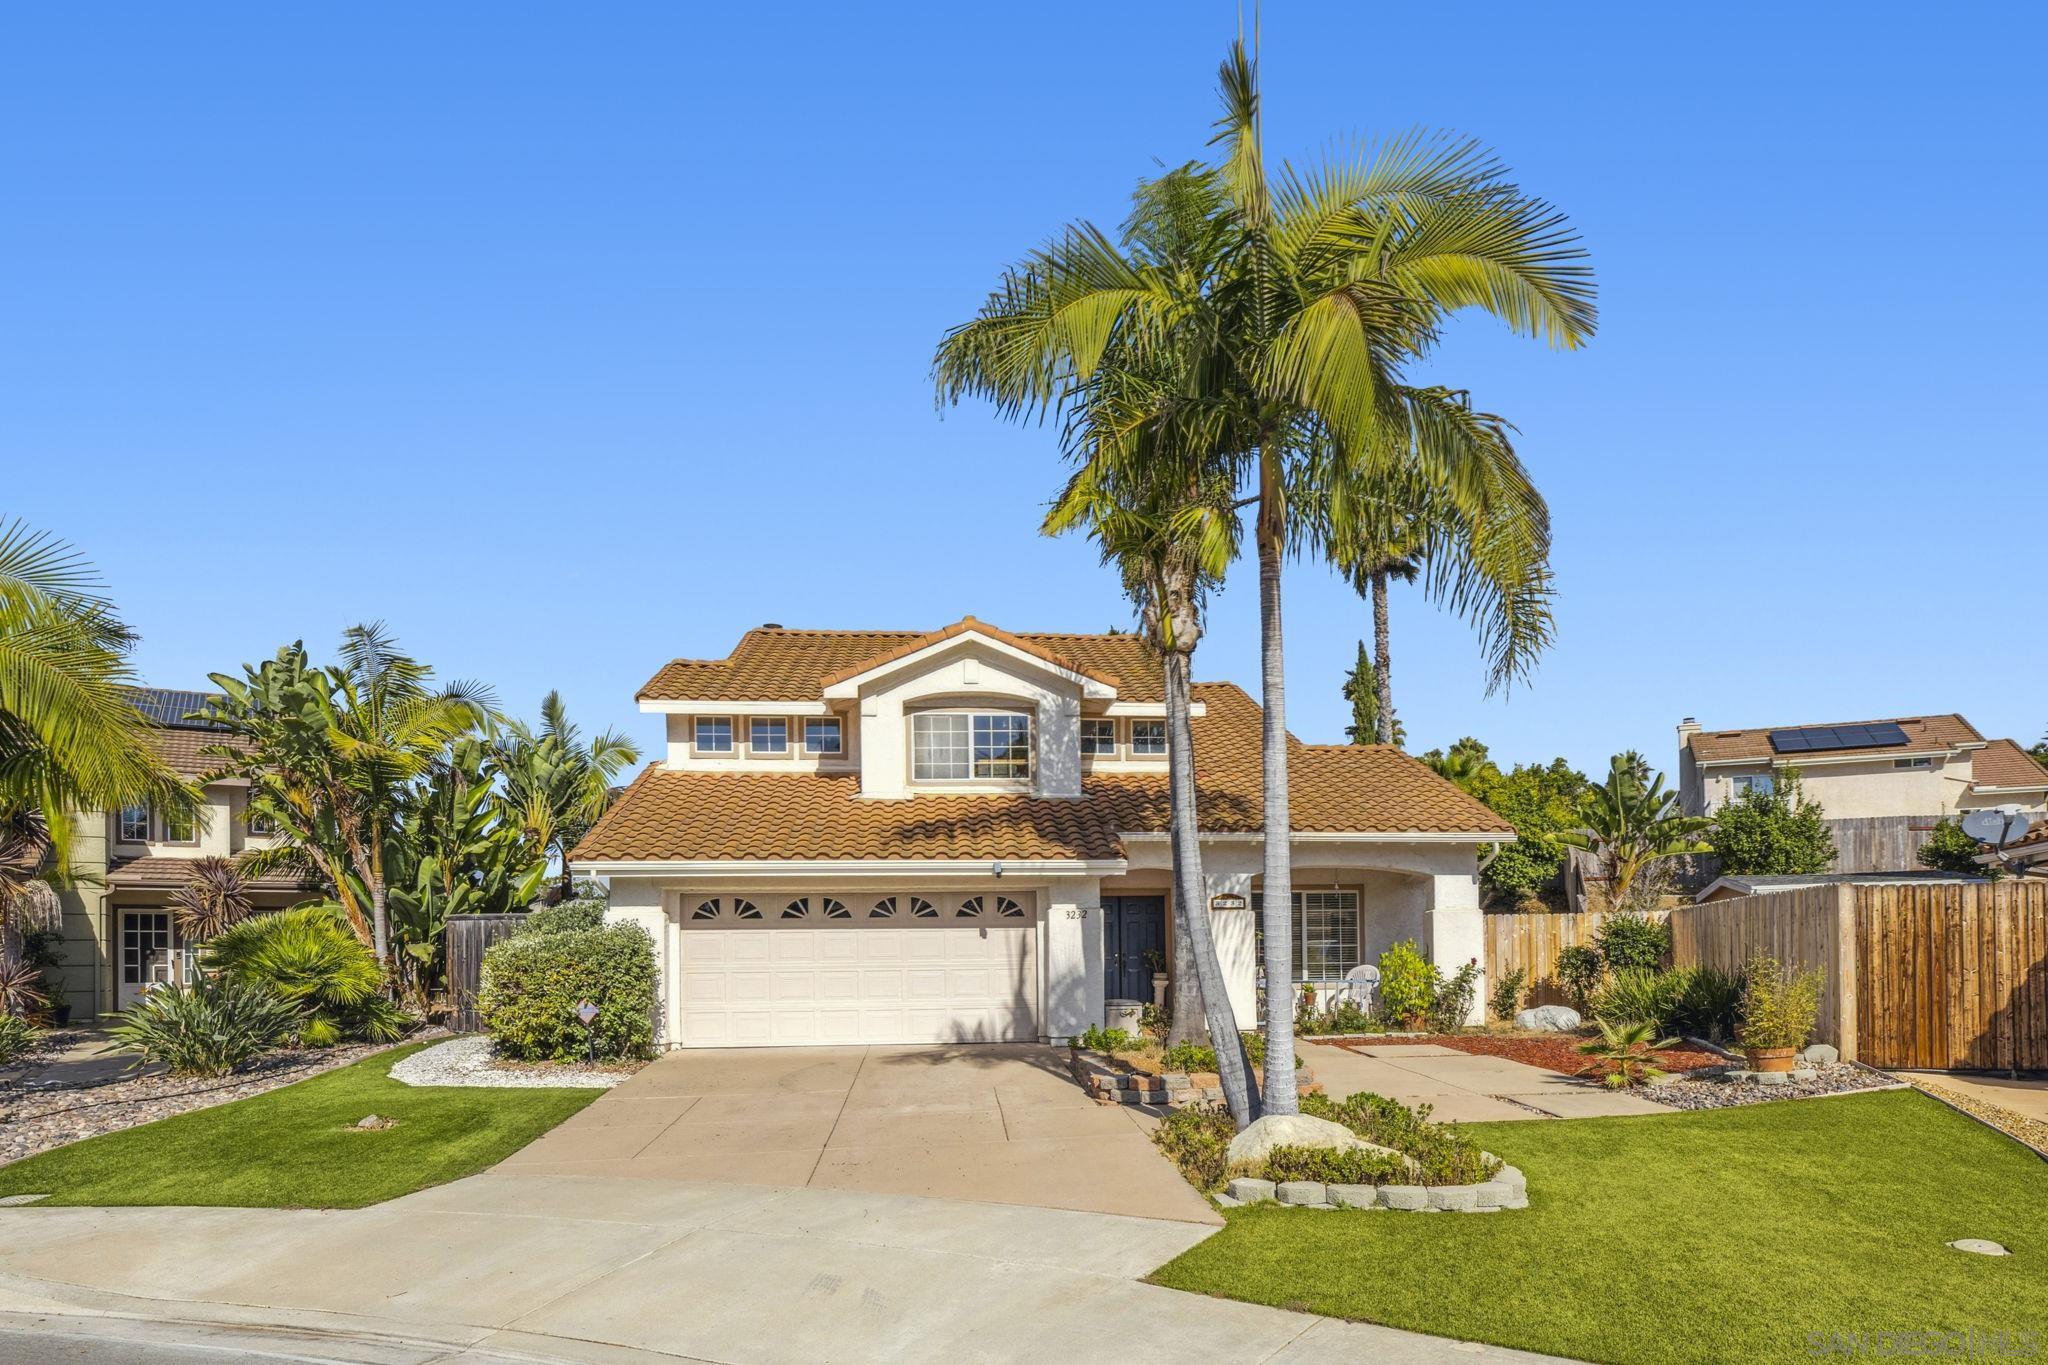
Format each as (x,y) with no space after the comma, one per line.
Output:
(1132,926)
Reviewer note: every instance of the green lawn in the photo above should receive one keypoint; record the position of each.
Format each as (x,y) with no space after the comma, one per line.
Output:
(1727,1235)
(292,1148)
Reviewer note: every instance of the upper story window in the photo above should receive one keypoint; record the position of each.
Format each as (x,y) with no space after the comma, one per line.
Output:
(966,746)
(1923,761)
(177,829)
(714,735)
(1744,783)
(132,825)
(1098,738)
(258,825)
(1148,736)
(822,736)
(768,735)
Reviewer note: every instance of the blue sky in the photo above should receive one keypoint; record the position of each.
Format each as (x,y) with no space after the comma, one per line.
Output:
(566,340)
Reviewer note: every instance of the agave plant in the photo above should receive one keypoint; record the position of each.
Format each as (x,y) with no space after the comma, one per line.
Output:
(214,901)
(1625,1054)
(205,1029)
(308,958)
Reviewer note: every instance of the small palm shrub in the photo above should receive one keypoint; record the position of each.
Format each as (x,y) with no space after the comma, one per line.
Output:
(1508,993)
(1197,1139)
(1779,1007)
(17,1036)
(568,917)
(533,983)
(1633,942)
(1408,983)
(1336,1166)
(308,958)
(1579,970)
(1625,1054)
(205,1029)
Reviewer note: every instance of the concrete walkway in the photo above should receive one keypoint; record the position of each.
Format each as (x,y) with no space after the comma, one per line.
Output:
(1462,1086)
(602,1269)
(994,1123)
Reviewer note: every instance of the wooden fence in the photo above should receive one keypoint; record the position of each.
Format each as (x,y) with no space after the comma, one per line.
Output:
(1801,929)
(1533,942)
(468,936)
(1880,843)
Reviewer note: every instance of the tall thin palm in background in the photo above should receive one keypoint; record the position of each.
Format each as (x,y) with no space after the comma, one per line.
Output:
(555,784)
(1286,336)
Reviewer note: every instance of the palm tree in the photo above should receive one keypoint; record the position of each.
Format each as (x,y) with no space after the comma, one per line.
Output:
(1286,337)
(1630,824)
(556,786)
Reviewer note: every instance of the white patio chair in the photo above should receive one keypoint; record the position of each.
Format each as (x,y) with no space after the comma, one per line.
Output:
(1362,985)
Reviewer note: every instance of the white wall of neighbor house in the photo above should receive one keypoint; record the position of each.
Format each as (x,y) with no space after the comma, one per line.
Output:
(1861,789)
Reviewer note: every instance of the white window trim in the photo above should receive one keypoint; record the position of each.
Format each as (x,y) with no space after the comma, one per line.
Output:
(732,739)
(121,835)
(838,750)
(163,831)
(1297,920)
(1164,740)
(1116,743)
(784,752)
(999,783)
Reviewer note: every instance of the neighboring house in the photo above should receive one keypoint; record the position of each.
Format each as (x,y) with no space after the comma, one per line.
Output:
(895,837)
(1882,784)
(1731,888)
(119,935)
(2026,856)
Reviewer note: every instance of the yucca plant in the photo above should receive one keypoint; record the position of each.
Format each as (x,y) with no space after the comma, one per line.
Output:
(215,900)
(1625,1054)
(21,990)
(308,958)
(205,1029)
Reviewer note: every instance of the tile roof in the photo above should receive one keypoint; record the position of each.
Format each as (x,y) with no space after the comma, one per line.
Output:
(181,748)
(2003,763)
(1922,733)
(1354,789)
(159,870)
(964,626)
(774,664)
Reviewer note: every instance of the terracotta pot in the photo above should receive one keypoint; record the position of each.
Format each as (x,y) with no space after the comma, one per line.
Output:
(1772,1058)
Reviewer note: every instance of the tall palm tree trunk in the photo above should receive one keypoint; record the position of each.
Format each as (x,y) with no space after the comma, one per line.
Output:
(1277,913)
(1190,1011)
(1382,659)
(1191,921)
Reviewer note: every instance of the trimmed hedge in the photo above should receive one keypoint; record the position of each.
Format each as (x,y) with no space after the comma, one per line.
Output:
(533,982)
(564,918)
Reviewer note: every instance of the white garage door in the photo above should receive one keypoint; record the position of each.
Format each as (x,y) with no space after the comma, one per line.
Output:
(763,970)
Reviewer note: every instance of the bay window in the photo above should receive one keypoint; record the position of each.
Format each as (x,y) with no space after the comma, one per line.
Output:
(968,746)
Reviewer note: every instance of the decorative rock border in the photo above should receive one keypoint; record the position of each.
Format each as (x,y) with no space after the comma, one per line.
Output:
(1109,1084)
(1509,1189)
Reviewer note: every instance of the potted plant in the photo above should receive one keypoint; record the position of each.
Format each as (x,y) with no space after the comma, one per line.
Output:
(1156,960)
(1779,1008)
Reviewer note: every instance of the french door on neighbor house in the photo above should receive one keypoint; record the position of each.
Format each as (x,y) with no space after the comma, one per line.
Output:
(1133,927)
(150,955)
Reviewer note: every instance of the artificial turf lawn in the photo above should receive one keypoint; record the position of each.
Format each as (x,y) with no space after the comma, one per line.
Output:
(1719,1236)
(293,1148)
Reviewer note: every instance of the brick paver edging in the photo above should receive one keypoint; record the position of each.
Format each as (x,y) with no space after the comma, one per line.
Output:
(1108,1084)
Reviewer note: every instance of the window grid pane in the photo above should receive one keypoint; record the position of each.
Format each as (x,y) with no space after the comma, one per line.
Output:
(1148,736)
(939,747)
(1002,746)
(714,735)
(1098,737)
(768,736)
(134,825)
(821,737)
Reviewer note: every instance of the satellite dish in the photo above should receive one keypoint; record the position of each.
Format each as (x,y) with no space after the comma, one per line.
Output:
(1998,826)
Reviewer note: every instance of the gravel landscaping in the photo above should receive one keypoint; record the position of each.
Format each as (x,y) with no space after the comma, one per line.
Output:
(473,1061)
(1713,1092)
(2030,1131)
(38,1115)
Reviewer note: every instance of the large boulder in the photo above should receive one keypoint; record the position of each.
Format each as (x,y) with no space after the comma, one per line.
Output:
(1550,1019)
(1258,1142)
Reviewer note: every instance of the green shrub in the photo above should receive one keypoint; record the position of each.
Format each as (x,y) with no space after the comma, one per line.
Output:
(533,982)
(1195,1057)
(1446,1156)
(308,958)
(1346,1016)
(1633,942)
(1110,1040)
(1508,993)
(1778,1006)
(1709,1006)
(1454,999)
(1578,971)
(1948,849)
(1336,1166)
(1775,832)
(1408,983)
(1197,1139)
(1634,995)
(17,1036)
(205,1029)
(567,918)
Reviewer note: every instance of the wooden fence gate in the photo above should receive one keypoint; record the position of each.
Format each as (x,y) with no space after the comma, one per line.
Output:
(1953,976)
(467,937)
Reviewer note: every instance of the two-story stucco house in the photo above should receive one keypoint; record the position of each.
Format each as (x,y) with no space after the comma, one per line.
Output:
(120,937)
(903,837)
(1920,766)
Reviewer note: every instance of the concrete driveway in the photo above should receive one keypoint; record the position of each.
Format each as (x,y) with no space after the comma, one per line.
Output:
(993,1123)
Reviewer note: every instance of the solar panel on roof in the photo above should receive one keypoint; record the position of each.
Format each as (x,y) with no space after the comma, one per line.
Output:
(170,707)
(1808,739)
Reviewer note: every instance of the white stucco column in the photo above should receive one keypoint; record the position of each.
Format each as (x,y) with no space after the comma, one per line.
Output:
(1237,943)
(639,901)
(1457,930)
(1073,957)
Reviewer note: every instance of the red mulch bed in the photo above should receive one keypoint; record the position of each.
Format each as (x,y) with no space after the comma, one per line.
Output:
(1553,1052)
